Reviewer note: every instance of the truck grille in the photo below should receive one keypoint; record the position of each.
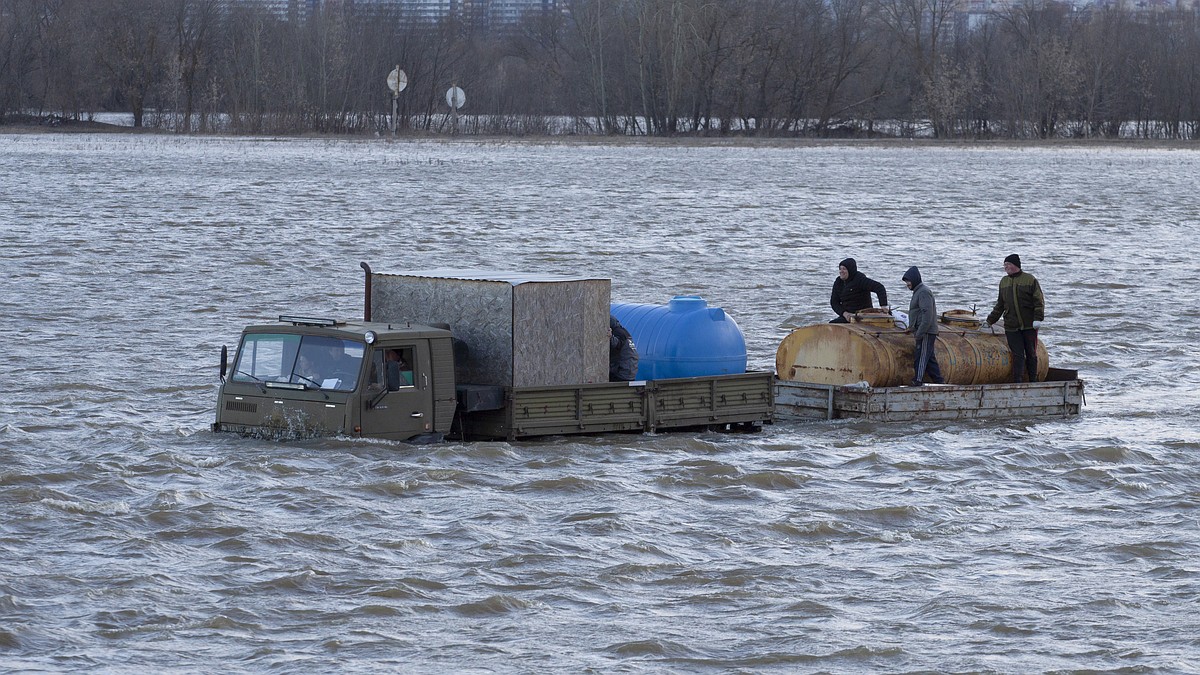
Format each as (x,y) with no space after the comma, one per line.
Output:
(241,406)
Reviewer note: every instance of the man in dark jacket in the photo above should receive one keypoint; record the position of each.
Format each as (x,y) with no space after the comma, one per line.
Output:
(852,292)
(1023,307)
(622,353)
(923,324)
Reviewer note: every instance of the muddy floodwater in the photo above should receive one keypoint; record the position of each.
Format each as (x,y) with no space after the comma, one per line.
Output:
(132,537)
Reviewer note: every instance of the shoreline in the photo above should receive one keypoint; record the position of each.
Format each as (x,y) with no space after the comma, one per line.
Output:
(770,142)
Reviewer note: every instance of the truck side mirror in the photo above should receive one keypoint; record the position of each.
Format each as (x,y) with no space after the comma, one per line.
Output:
(224,361)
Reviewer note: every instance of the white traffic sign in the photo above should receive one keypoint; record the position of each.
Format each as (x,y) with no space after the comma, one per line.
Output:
(397,80)
(455,97)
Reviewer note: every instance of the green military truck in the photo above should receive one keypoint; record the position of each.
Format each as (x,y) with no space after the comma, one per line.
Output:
(465,355)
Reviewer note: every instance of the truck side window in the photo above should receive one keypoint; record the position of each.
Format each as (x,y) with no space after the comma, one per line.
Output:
(398,368)
(392,367)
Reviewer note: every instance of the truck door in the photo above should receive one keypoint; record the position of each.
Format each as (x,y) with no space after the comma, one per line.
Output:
(398,401)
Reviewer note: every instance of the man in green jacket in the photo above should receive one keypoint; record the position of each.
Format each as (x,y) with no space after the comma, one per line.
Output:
(1024,308)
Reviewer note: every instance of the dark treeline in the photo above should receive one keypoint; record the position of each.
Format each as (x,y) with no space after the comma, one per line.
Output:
(660,67)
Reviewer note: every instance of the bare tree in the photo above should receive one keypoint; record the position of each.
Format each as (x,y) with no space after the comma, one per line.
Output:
(20,21)
(947,100)
(331,55)
(762,66)
(1042,73)
(67,80)
(132,49)
(923,28)
(851,50)
(715,33)
(194,21)
(1171,48)
(243,75)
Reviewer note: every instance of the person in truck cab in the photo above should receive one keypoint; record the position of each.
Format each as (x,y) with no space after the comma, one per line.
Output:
(399,372)
(305,372)
(335,363)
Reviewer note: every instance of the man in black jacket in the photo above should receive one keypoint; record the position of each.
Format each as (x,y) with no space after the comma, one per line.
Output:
(852,292)
(622,353)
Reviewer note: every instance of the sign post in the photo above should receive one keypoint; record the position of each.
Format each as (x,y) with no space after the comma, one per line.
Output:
(455,98)
(396,81)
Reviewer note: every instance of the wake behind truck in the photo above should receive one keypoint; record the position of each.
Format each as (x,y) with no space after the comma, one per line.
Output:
(470,355)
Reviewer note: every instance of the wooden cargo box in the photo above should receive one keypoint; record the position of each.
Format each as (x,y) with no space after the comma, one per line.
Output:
(521,330)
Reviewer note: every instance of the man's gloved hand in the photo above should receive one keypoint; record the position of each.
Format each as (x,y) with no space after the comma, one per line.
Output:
(1037,324)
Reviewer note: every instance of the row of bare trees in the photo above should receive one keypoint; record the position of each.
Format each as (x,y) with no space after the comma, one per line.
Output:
(1037,69)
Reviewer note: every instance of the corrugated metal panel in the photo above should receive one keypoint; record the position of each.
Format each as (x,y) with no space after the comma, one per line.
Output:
(521,329)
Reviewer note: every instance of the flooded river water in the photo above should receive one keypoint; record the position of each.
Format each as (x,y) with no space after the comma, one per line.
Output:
(133,537)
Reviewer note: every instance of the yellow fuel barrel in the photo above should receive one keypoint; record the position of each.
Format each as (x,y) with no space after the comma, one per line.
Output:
(876,351)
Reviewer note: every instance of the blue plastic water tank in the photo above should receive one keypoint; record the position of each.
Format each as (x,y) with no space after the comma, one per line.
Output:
(685,338)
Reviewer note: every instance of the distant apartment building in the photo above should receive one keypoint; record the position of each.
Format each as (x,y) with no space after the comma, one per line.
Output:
(511,11)
(494,13)
(975,13)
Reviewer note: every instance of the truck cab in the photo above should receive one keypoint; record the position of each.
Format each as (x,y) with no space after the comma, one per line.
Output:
(306,376)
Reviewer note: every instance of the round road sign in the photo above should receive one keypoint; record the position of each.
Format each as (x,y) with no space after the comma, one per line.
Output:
(397,80)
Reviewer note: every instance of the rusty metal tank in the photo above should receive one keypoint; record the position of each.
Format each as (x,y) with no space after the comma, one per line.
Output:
(875,350)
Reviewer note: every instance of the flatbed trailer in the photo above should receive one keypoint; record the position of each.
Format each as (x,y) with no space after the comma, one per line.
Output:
(1061,395)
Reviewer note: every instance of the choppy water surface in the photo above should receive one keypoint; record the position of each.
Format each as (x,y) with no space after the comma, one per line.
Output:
(132,535)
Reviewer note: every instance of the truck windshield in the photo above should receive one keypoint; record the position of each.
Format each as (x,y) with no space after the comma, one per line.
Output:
(316,361)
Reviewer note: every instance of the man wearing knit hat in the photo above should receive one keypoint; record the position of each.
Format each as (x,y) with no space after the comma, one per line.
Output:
(852,292)
(1023,307)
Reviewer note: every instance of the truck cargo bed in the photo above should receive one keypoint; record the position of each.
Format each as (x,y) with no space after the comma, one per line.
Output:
(744,400)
